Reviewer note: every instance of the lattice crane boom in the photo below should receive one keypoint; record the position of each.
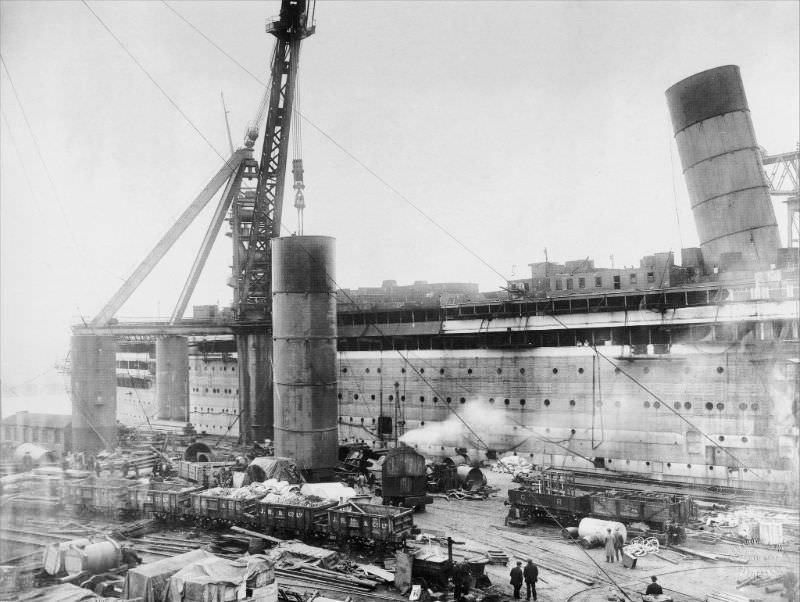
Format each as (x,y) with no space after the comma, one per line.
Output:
(252,279)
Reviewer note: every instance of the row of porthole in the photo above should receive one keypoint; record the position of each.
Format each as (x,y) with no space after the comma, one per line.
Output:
(646,370)
(223,369)
(669,464)
(677,405)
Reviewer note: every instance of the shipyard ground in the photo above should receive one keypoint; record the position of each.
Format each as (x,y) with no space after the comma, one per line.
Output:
(567,571)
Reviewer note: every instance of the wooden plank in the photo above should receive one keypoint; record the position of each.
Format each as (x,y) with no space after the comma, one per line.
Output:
(256,534)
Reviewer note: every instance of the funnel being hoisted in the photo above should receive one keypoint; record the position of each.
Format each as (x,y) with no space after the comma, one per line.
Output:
(722,166)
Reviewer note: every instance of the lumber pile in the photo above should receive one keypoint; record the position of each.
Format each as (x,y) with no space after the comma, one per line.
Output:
(726,597)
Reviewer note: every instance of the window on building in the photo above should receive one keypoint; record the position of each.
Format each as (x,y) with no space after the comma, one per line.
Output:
(617,282)
(581,282)
(598,281)
(558,284)
(633,278)
(569,284)
(651,277)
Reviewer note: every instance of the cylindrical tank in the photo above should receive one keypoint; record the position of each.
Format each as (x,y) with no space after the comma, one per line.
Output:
(469,478)
(29,455)
(593,531)
(304,344)
(722,166)
(172,377)
(93,391)
(95,558)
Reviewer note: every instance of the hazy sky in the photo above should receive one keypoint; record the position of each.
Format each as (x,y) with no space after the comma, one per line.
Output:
(515,125)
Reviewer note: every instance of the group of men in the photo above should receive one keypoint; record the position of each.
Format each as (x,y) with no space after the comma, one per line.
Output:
(530,575)
(614,543)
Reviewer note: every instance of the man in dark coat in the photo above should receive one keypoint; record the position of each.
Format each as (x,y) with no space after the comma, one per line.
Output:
(619,543)
(516,579)
(531,574)
(461,580)
(654,589)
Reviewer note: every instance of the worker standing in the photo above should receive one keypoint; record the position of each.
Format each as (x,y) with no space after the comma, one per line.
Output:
(531,574)
(516,579)
(609,545)
(361,483)
(619,543)
(461,580)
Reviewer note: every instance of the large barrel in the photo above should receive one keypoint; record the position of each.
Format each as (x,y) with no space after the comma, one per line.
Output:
(593,531)
(95,558)
(722,166)
(469,478)
(304,338)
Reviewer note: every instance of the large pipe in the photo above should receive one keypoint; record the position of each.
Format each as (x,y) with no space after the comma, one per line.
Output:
(722,167)
(93,390)
(172,377)
(304,337)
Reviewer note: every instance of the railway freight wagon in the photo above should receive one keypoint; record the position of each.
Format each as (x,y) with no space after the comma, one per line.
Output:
(654,509)
(404,479)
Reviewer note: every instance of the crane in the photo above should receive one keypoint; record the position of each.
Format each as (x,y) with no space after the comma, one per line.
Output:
(252,272)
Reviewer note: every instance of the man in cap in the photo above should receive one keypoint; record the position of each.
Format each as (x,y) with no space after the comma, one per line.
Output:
(516,579)
(531,574)
(619,542)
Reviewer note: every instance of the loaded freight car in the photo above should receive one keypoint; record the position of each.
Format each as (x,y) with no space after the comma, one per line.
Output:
(370,522)
(654,509)
(293,514)
(404,479)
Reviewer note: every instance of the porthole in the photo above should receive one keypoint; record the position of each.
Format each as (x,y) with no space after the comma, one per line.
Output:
(491,400)
(745,439)
(462,400)
(402,370)
(372,397)
(422,423)
(435,400)
(677,405)
(373,421)
(402,398)
(499,370)
(754,407)
(580,370)
(647,404)
(572,402)
(572,431)
(441,370)
(720,369)
(617,370)
(362,421)
(687,405)
(656,405)
(469,370)
(720,406)
(339,395)
(522,370)
(506,401)
(396,384)
(710,467)
(351,419)
(522,402)
(449,399)
(547,402)
(422,398)
(646,370)
(742,406)
(344,370)
(669,464)
(709,406)
(555,370)
(366,370)
(688,466)
(721,437)
(355,396)
(391,397)
(422,370)
(647,463)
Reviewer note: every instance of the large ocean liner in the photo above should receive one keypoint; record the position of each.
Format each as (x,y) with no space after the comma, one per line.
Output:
(683,373)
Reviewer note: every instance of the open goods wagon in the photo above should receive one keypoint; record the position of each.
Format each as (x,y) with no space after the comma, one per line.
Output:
(531,505)
(654,509)
(404,478)
(100,495)
(162,499)
(359,521)
(303,519)
(222,508)
(201,472)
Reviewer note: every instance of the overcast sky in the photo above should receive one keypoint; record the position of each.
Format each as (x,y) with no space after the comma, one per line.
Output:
(515,126)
